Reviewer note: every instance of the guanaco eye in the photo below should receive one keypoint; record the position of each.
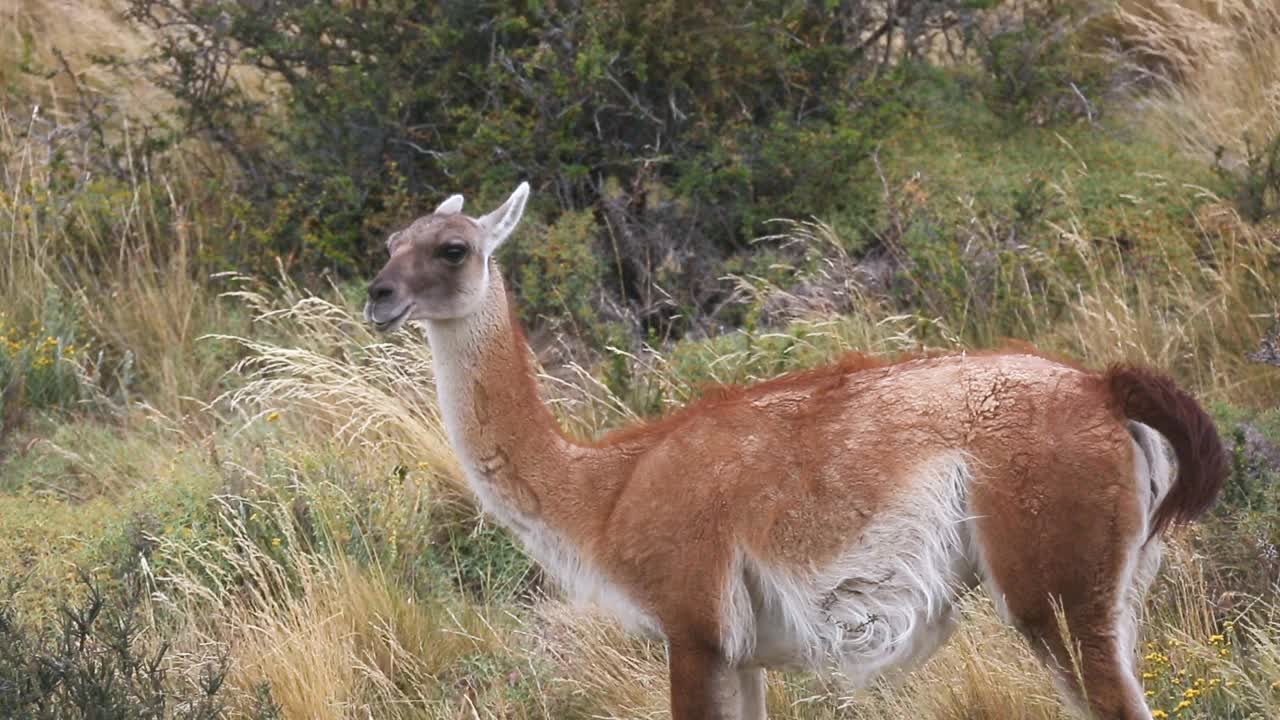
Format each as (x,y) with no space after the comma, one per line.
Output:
(452,254)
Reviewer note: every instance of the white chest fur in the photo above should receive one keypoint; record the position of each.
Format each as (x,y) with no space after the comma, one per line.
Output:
(457,351)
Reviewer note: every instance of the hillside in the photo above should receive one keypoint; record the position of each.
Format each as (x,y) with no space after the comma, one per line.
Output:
(223,496)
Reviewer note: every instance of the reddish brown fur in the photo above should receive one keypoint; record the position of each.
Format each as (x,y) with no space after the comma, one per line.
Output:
(1047,542)
(795,470)
(714,396)
(1062,542)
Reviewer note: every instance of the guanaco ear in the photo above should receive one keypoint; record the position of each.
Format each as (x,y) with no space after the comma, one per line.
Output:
(392,239)
(451,206)
(498,224)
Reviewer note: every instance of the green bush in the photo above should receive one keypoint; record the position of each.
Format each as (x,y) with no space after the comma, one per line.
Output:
(100,661)
(558,274)
(1034,68)
(680,126)
(1256,186)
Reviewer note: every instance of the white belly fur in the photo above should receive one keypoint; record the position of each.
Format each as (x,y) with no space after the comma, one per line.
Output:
(886,603)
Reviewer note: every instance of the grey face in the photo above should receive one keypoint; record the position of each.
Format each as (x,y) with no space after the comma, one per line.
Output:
(436,272)
(439,266)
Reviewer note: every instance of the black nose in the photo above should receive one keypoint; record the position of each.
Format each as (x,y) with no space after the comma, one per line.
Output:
(380,291)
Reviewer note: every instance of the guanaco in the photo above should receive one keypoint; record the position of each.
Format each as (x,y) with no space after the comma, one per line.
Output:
(829,519)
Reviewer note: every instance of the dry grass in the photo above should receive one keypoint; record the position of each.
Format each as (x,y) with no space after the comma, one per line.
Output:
(349,643)
(316,364)
(348,640)
(1197,320)
(332,639)
(37,32)
(117,255)
(986,671)
(28,262)
(1218,63)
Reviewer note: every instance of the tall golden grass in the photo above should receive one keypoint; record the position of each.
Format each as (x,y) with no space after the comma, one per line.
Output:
(336,640)
(122,255)
(1218,66)
(320,364)
(1197,320)
(330,638)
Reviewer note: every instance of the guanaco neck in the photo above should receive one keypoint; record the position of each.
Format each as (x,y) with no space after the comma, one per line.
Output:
(516,457)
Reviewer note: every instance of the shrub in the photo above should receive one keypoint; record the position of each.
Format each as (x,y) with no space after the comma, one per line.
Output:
(1035,71)
(682,125)
(1256,185)
(559,275)
(1241,533)
(99,661)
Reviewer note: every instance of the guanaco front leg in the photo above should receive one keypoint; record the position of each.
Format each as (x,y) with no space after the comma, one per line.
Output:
(703,686)
(753,683)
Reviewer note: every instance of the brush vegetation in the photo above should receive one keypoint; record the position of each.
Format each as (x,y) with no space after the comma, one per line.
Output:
(221,496)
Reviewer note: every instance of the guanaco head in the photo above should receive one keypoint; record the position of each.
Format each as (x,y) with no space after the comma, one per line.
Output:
(439,266)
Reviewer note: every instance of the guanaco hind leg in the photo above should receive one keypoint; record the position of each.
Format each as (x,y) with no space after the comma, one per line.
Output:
(1098,656)
(1090,573)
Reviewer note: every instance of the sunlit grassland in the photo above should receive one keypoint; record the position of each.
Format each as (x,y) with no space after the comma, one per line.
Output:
(1218,65)
(277,479)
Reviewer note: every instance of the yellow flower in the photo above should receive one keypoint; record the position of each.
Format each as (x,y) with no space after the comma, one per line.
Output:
(1148,676)
(273,416)
(1182,706)
(1159,714)
(1191,694)
(275,542)
(1151,693)
(1215,639)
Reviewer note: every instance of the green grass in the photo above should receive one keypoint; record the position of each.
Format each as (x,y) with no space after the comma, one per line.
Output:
(1107,173)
